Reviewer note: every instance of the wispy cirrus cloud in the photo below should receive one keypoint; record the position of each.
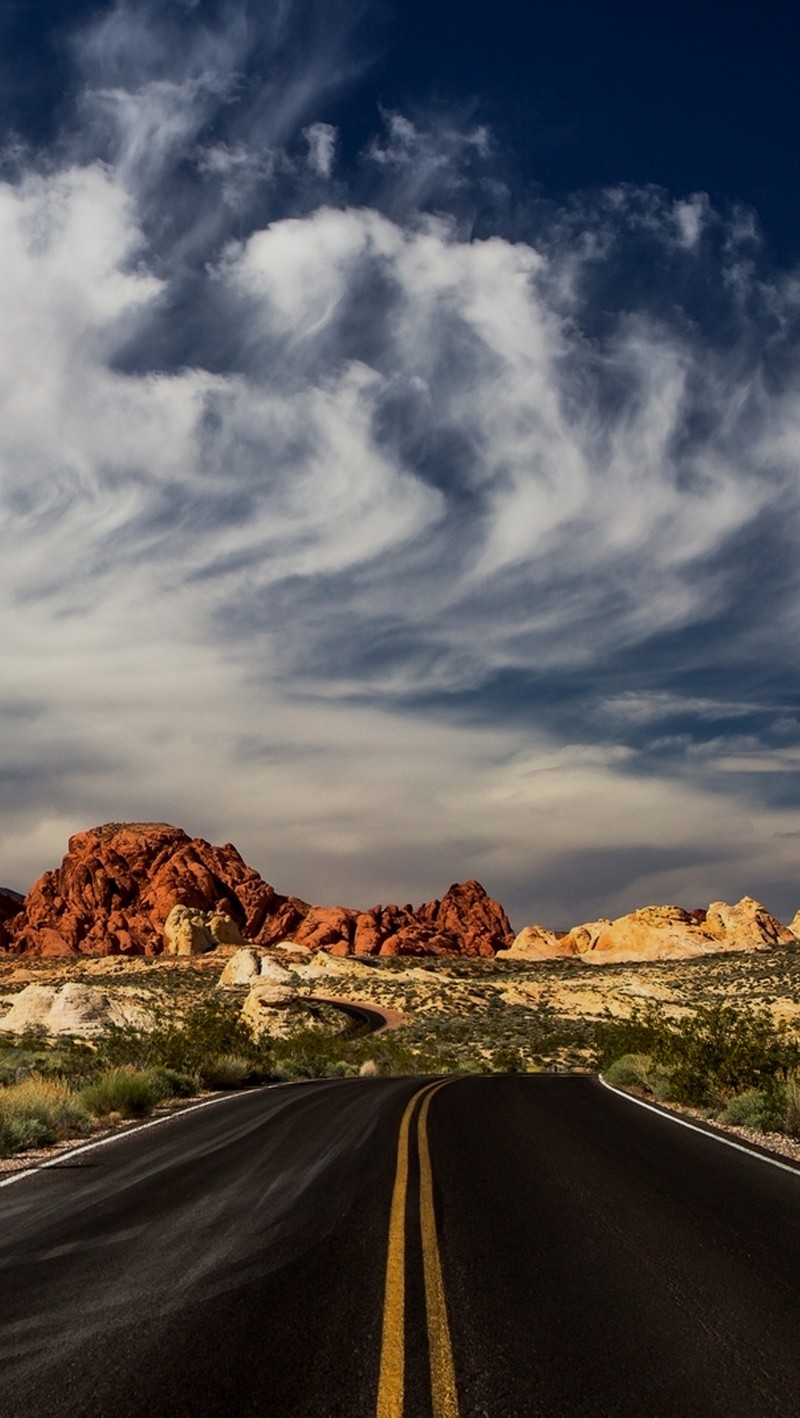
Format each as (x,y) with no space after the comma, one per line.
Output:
(394,552)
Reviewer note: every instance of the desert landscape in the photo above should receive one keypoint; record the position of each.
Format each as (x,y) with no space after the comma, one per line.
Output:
(143,930)
(141,912)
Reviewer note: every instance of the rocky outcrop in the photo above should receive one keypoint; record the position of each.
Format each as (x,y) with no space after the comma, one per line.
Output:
(328,928)
(746,923)
(270,1009)
(147,887)
(241,969)
(537,943)
(658,933)
(85,1010)
(247,966)
(189,932)
(118,884)
(465,922)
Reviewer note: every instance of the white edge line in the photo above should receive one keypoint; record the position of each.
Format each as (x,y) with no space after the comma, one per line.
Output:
(704,1132)
(141,1127)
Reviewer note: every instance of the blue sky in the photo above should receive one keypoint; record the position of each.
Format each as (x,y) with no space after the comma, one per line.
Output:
(399,446)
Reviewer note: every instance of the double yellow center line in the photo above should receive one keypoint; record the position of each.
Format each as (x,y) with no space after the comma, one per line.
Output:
(391,1385)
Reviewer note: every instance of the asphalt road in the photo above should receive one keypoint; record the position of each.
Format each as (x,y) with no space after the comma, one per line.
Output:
(490,1248)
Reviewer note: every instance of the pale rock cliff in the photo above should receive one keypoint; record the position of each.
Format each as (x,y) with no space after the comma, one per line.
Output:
(658,933)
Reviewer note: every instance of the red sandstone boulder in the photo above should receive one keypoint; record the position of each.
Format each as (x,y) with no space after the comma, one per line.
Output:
(327,928)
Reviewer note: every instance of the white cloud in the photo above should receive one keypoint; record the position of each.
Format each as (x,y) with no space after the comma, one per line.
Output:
(321,139)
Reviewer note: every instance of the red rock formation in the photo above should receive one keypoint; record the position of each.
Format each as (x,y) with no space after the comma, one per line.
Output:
(465,922)
(327,928)
(466,914)
(118,883)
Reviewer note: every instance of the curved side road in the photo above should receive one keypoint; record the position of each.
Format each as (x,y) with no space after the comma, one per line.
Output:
(488,1247)
(379,1018)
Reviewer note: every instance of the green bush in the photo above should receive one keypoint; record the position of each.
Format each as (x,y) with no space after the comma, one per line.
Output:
(721,1051)
(710,1056)
(12,1070)
(340,1068)
(751,1109)
(125,1091)
(227,1071)
(645,1032)
(17,1134)
(630,1071)
(717,1058)
(508,1060)
(173,1084)
(207,1031)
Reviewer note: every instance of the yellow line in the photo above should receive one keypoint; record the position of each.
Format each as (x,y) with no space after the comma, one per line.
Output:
(391,1383)
(444,1396)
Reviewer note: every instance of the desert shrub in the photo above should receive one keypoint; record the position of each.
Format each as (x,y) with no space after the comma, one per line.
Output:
(641,1072)
(17,1134)
(473,1064)
(127,1091)
(508,1060)
(306,1053)
(752,1109)
(721,1051)
(52,1109)
(173,1084)
(34,1038)
(13,1070)
(630,1071)
(643,1033)
(207,1031)
(226,1071)
(707,1058)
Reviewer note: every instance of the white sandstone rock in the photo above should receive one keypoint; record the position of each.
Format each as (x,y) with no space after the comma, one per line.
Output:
(268,1008)
(72,1008)
(242,968)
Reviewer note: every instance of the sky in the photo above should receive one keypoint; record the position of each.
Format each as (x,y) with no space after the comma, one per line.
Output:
(399,443)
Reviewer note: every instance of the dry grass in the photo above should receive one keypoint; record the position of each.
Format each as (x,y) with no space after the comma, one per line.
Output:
(39,1111)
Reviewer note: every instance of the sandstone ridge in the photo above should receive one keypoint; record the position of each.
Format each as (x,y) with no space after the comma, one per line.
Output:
(658,933)
(147,888)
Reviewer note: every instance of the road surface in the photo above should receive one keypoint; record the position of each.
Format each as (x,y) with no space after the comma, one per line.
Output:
(487,1248)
